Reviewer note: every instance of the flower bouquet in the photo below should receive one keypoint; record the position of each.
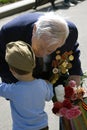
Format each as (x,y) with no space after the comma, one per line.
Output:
(71,103)
(67,99)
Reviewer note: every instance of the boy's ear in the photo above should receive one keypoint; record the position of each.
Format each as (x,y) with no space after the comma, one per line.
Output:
(12,71)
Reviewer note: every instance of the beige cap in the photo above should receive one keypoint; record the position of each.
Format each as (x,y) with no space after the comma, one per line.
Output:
(20,55)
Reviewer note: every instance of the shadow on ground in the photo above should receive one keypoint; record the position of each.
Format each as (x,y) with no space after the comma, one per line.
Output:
(47,7)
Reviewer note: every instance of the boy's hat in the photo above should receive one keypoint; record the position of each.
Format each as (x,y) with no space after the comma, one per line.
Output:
(20,55)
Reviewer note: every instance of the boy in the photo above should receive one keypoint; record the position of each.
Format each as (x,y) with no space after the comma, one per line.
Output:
(28,95)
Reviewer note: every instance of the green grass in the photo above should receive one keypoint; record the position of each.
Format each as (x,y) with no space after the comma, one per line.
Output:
(7,1)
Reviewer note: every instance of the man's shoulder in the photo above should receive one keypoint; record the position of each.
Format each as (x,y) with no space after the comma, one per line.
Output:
(23,19)
(71,24)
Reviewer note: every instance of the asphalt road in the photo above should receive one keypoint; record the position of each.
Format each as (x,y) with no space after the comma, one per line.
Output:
(78,15)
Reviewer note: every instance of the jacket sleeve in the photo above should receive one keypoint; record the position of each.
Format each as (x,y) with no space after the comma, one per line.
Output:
(76,63)
(72,44)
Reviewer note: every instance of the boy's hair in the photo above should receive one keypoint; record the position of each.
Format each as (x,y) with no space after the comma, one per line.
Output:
(20,57)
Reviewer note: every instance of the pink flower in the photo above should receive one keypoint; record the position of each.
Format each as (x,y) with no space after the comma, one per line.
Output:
(72,113)
(72,83)
(63,111)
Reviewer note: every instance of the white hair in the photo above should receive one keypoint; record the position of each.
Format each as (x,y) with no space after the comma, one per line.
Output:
(52,28)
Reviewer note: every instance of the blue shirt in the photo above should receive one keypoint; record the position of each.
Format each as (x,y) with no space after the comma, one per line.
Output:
(27,100)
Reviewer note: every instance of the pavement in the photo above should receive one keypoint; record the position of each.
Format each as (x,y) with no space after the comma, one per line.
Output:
(18,7)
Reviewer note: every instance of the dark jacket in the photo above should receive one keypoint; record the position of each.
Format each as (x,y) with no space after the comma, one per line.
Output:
(21,28)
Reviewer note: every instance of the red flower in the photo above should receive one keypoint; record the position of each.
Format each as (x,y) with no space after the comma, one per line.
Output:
(68,92)
(67,104)
(57,106)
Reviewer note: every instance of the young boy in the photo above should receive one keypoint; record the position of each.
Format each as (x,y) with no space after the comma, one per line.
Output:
(28,95)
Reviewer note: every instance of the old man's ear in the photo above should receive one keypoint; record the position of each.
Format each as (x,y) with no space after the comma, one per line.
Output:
(34,29)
